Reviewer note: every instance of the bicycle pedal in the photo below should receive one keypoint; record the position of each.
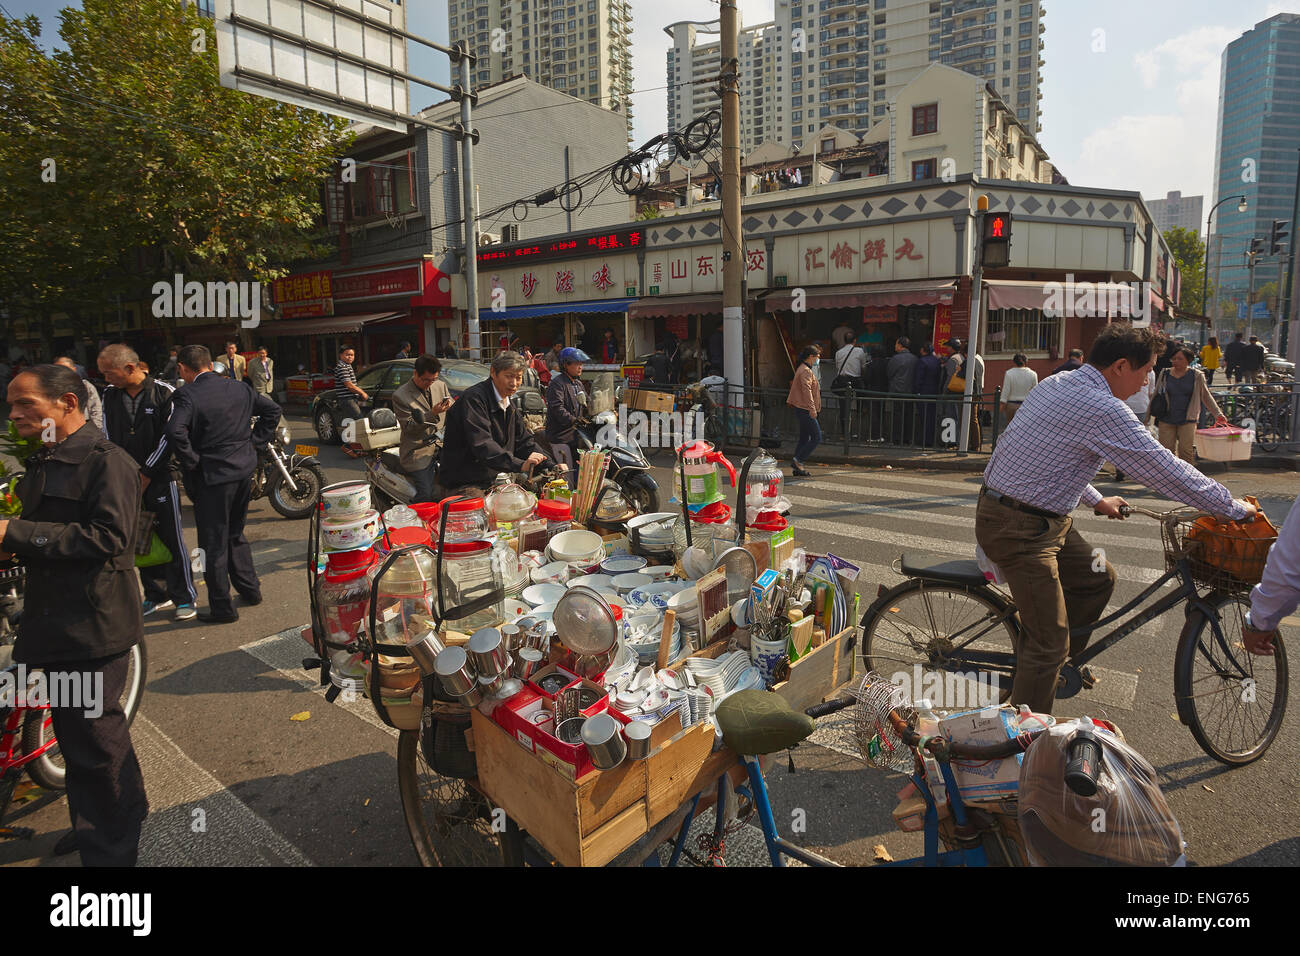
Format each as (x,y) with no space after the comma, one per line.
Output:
(1088,677)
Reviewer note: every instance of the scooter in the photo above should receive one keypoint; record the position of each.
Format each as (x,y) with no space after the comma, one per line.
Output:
(628,467)
(378,437)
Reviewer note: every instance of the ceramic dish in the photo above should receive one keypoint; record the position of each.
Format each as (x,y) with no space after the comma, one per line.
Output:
(556,572)
(623,564)
(540,594)
(634,581)
(347,499)
(348,534)
(598,581)
(660,572)
(575,545)
(687,599)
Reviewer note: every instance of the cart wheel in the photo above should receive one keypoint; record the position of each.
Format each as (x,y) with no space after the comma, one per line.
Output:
(451,823)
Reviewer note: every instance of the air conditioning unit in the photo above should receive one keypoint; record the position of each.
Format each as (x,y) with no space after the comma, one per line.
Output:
(488,238)
(510,232)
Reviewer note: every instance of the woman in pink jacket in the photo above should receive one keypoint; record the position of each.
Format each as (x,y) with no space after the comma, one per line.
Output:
(806,399)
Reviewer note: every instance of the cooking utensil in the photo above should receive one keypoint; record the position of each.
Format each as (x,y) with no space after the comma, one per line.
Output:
(605,744)
(568,704)
(528,660)
(489,686)
(569,731)
(637,735)
(585,622)
(471,698)
(425,651)
(454,671)
(487,652)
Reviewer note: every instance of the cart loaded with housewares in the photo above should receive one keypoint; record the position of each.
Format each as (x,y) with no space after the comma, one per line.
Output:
(553,661)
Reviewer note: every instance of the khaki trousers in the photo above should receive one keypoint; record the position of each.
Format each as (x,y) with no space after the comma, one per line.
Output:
(1058,584)
(1179,439)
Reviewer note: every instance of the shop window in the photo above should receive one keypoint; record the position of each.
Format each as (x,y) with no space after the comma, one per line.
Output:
(1021,330)
(923,169)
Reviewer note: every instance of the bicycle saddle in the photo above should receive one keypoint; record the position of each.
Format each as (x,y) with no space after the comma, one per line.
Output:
(954,572)
(756,722)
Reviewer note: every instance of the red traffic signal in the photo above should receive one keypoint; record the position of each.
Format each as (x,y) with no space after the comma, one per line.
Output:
(997,225)
(995,242)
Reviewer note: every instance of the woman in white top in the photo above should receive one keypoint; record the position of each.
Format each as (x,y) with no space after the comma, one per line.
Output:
(1016,385)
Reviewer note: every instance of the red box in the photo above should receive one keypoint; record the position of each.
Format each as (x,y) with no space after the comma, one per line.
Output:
(515,715)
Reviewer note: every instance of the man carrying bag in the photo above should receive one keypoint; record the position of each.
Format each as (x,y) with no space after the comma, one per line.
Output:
(850,361)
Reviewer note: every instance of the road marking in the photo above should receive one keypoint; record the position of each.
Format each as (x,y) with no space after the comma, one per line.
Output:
(285,652)
(181,795)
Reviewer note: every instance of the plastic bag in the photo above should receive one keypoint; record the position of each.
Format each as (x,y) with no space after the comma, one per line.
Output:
(157,554)
(1127,822)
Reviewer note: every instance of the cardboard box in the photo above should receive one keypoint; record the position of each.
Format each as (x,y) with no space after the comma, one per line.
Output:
(650,400)
(985,779)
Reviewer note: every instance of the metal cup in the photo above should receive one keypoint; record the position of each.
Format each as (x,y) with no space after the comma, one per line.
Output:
(637,735)
(604,743)
(569,731)
(425,651)
(491,684)
(512,636)
(452,668)
(528,661)
(488,652)
(472,698)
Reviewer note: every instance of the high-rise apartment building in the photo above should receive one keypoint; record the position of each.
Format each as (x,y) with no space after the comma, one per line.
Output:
(1255,149)
(580,47)
(843,61)
(1177,211)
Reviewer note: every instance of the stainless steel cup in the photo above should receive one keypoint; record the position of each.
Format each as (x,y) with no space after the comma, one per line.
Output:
(604,742)
(512,637)
(569,731)
(472,698)
(425,650)
(528,661)
(487,651)
(452,668)
(490,684)
(637,735)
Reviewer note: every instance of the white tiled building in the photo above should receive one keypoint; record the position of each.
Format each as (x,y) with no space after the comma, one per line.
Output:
(1177,210)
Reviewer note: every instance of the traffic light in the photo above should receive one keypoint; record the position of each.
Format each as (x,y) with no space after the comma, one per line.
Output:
(1277,238)
(1256,247)
(995,251)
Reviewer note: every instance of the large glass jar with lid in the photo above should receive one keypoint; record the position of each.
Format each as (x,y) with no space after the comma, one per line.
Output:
(404,586)
(471,579)
(342,599)
(507,503)
(466,519)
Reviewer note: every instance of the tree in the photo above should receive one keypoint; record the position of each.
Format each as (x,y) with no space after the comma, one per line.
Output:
(1189,253)
(126,143)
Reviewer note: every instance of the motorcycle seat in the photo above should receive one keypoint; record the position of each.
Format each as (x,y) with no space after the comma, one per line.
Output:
(391,460)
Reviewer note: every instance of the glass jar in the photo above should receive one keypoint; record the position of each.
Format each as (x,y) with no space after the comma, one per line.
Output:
(466,520)
(404,595)
(558,515)
(764,483)
(342,598)
(711,530)
(507,504)
(469,573)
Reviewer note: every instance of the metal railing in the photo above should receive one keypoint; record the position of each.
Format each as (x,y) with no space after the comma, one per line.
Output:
(1270,409)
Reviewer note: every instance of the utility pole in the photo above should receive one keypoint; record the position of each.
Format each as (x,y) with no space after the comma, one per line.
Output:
(733,259)
(963,438)
(1250,292)
(470,204)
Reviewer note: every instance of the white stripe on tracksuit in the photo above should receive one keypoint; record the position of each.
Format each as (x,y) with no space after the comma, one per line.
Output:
(180,541)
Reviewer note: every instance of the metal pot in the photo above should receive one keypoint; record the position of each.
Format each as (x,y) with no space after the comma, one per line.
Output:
(604,742)
(425,651)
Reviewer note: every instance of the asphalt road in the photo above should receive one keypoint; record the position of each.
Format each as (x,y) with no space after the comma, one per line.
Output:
(234,779)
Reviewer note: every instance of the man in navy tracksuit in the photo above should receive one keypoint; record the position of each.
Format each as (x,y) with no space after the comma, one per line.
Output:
(136,409)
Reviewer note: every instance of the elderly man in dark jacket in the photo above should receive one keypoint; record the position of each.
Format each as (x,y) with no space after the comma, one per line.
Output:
(929,381)
(902,381)
(485,433)
(76,538)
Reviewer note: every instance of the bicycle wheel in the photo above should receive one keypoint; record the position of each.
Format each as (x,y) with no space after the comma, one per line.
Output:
(450,822)
(48,770)
(1231,700)
(133,692)
(928,635)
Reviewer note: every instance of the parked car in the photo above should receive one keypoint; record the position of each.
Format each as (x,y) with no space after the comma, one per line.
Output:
(381,380)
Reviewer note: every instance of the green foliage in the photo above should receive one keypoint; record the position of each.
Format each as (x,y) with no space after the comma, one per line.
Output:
(13,445)
(1189,252)
(149,154)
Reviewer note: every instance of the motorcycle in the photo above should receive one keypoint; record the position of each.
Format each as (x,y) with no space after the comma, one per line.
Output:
(378,437)
(292,480)
(628,467)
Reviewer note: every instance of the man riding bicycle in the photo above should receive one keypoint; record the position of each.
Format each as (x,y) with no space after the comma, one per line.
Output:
(1040,472)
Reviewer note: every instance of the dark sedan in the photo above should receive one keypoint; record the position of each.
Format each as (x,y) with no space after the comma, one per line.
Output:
(380,381)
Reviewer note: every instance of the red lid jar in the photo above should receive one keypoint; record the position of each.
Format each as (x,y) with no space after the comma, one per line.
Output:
(554,509)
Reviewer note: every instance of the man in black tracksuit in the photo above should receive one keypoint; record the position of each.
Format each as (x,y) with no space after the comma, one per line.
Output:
(208,431)
(76,540)
(566,401)
(136,409)
(485,433)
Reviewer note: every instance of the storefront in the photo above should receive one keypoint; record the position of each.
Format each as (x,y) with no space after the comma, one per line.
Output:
(691,327)
(375,309)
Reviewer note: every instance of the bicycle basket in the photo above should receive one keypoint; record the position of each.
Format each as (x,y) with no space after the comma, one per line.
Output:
(878,740)
(1225,556)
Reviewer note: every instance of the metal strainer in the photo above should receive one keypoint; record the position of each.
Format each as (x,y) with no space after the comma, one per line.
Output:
(877,736)
(584,622)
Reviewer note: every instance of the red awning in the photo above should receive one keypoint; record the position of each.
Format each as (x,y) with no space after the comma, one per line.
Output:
(916,292)
(670,306)
(1074,298)
(330,326)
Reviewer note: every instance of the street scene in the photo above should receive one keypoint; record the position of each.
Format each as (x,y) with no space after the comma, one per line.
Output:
(433,439)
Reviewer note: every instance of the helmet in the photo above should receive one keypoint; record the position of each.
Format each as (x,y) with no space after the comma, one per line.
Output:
(571,354)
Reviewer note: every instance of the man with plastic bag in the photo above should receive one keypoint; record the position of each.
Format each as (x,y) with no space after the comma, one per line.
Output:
(1040,472)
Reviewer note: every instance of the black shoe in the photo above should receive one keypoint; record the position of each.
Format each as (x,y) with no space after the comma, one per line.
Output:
(230,618)
(252,600)
(800,473)
(67,844)
(1119,475)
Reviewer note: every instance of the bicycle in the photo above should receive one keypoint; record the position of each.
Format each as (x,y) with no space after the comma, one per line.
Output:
(27,742)
(948,618)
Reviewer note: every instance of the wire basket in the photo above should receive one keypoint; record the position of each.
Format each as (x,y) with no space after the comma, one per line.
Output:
(878,740)
(1220,557)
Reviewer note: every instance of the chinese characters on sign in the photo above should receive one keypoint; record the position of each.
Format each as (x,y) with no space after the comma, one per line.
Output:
(564,280)
(678,269)
(529,282)
(842,255)
(874,251)
(601,278)
(306,295)
(812,259)
(704,265)
(755,260)
(906,249)
(658,273)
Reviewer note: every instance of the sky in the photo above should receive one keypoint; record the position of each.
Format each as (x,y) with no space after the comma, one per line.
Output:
(1130,88)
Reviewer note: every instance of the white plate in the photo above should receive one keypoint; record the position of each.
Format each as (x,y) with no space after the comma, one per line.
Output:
(539,594)
(660,572)
(654,518)
(687,599)
(575,545)
(632,582)
(623,564)
(598,581)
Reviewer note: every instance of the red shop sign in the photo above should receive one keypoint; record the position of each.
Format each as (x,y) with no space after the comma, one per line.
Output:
(401,281)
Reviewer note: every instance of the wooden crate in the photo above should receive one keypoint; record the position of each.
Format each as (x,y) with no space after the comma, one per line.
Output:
(814,677)
(650,400)
(591,821)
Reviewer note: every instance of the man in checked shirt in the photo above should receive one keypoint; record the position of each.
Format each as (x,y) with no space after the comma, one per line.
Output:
(1040,472)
